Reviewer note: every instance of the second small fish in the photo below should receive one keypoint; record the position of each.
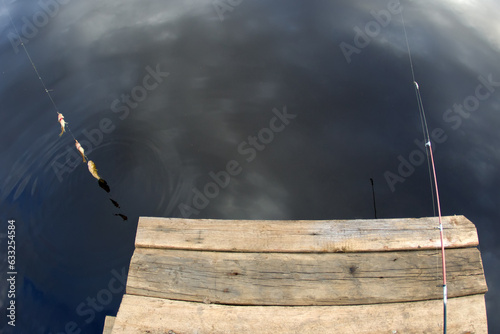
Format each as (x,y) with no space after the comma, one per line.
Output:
(81,150)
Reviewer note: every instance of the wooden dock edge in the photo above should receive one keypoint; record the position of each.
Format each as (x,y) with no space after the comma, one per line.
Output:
(108,324)
(139,314)
(367,259)
(304,236)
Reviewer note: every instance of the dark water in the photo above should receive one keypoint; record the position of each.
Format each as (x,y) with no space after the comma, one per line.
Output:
(263,115)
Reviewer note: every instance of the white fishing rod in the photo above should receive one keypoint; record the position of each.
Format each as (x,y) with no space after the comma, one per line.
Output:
(432,166)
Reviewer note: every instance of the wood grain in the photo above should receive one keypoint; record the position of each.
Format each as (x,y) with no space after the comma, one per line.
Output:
(304,236)
(330,276)
(109,321)
(303,278)
(141,315)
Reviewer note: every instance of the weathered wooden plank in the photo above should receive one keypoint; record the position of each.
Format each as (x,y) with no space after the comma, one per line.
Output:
(304,236)
(303,278)
(108,324)
(155,315)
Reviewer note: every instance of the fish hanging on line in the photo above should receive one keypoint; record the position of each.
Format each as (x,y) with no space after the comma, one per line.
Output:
(93,170)
(102,183)
(81,150)
(60,119)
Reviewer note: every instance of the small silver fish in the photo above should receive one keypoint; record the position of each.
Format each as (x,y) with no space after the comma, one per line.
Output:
(81,150)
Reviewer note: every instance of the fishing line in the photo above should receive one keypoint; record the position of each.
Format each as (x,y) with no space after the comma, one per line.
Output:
(34,66)
(430,162)
(423,120)
(92,169)
(425,130)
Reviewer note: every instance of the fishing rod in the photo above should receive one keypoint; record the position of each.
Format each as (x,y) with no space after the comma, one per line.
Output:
(373,195)
(431,162)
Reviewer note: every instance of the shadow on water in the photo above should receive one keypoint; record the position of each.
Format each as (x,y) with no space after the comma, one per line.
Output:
(115,203)
(62,223)
(104,185)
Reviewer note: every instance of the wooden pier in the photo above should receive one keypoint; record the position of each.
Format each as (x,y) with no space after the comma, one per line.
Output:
(329,276)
